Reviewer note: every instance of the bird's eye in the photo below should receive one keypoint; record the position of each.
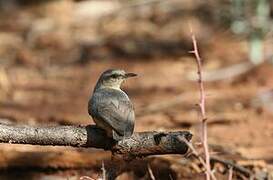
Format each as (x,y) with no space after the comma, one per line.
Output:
(115,76)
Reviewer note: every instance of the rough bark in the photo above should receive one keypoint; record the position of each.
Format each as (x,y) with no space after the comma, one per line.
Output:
(140,144)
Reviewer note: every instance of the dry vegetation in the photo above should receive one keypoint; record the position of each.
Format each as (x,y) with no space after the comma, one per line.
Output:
(52,53)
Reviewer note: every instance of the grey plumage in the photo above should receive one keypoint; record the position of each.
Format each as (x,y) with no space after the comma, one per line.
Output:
(110,107)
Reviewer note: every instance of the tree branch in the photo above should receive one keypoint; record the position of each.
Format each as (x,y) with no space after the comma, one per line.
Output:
(138,145)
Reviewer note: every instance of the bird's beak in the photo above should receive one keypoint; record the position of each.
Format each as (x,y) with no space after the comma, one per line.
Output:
(127,75)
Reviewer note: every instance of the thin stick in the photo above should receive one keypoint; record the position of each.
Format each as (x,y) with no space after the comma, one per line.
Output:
(228,164)
(194,151)
(230,172)
(103,171)
(86,178)
(202,104)
(151,173)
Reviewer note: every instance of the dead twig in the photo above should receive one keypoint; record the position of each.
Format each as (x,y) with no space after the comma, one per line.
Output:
(197,155)
(202,104)
(230,172)
(235,167)
(86,178)
(103,171)
(151,173)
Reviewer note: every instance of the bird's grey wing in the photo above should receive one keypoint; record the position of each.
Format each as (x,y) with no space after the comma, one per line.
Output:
(118,114)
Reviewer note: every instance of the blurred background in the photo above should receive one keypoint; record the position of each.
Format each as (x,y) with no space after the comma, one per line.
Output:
(53,51)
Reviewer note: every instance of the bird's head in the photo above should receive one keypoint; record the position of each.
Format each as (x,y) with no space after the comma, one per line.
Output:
(113,78)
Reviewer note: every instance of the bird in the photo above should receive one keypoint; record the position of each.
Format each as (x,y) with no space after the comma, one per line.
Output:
(110,107)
